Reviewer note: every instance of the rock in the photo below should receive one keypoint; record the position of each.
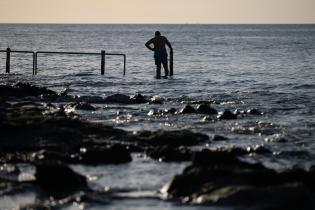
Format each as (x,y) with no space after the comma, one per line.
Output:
(206,109)
(220,178)
(226,115)
(115,154)
(155,112)
(81,106)
(21,90)
(138,99)
(254,112)
(58,179)
(171,138)
(170,111)
(289,196)
(123,99)
(169,154)
(219,138)
(156,100)
(187,110)
(118,98)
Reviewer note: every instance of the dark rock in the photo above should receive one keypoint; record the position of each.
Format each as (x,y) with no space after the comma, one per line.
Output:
(21,89)
(80,105)
(109,155)
(226,115)
(257,149)
(254,112)
(118,98)
(171,138)
(187,110)
(155,112)
(219,138)
(58,179)
(156,100)
(221,178)
(206,109)
(290,197)
(170,154)
(171,111)
(138,99)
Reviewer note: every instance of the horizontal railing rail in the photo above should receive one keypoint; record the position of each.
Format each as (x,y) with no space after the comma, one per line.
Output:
(35,54)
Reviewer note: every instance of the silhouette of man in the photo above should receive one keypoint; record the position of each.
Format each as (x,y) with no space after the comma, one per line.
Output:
(160,53)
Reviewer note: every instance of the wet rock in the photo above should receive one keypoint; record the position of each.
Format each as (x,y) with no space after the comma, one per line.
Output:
(170,111)
(206,109)
(81,106)
(21,89)
(107,155)
(219,138)
(221,178)
(290,196)
(156,100)
(254,112)
(118,98)
(171,138)
(226,115)
(58,179)
(155,112)
(124,99)
(256,149)
(187,110)
(170,154)
(138,99)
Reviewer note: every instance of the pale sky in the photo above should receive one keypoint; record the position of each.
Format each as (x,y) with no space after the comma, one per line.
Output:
(157,11)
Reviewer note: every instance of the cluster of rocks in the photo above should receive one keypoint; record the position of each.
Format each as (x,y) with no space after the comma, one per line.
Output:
(205,109)
(47,136)
(36,132)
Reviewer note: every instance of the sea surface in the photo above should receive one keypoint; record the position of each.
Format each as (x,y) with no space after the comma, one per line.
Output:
(266,67)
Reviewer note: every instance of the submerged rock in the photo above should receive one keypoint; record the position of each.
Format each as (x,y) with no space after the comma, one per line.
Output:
(171,138)
(21,90)
(170,111)
(187,110)
(118,98)
(58,179)
(105,155)
(170,154)
(124,99)
(138,99)
(206,109)
(81,106)
(254,112)
(226,115)
(219,138)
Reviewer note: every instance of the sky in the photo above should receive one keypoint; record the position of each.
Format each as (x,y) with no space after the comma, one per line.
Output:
(157,11)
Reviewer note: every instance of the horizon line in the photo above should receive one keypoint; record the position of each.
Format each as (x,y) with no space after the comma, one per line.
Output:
(67,23)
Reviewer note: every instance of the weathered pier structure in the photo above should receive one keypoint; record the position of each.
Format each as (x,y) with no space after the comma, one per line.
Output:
(35,54)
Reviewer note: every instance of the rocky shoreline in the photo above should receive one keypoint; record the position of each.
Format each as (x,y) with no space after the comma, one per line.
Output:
(36,130)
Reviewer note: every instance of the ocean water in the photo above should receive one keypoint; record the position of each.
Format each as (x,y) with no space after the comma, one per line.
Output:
(267,67)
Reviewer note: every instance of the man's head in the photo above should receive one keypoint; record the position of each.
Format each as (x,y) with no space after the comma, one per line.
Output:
(157,33)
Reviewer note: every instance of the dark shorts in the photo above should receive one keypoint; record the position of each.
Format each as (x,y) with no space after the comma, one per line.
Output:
(160,56)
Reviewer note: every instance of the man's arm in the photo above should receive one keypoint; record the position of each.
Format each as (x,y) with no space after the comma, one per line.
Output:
(148,44)
(168,44)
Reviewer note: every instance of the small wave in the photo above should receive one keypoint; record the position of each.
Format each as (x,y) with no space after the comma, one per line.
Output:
(305,86)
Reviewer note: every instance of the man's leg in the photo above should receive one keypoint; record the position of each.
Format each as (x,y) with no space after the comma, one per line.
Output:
(158,71)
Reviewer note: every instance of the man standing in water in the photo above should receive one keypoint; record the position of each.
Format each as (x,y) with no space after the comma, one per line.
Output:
(160,53)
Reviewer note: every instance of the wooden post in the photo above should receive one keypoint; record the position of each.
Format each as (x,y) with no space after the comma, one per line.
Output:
(34,57)
(103,62)
(171,62)
(7,66)
(124,65)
